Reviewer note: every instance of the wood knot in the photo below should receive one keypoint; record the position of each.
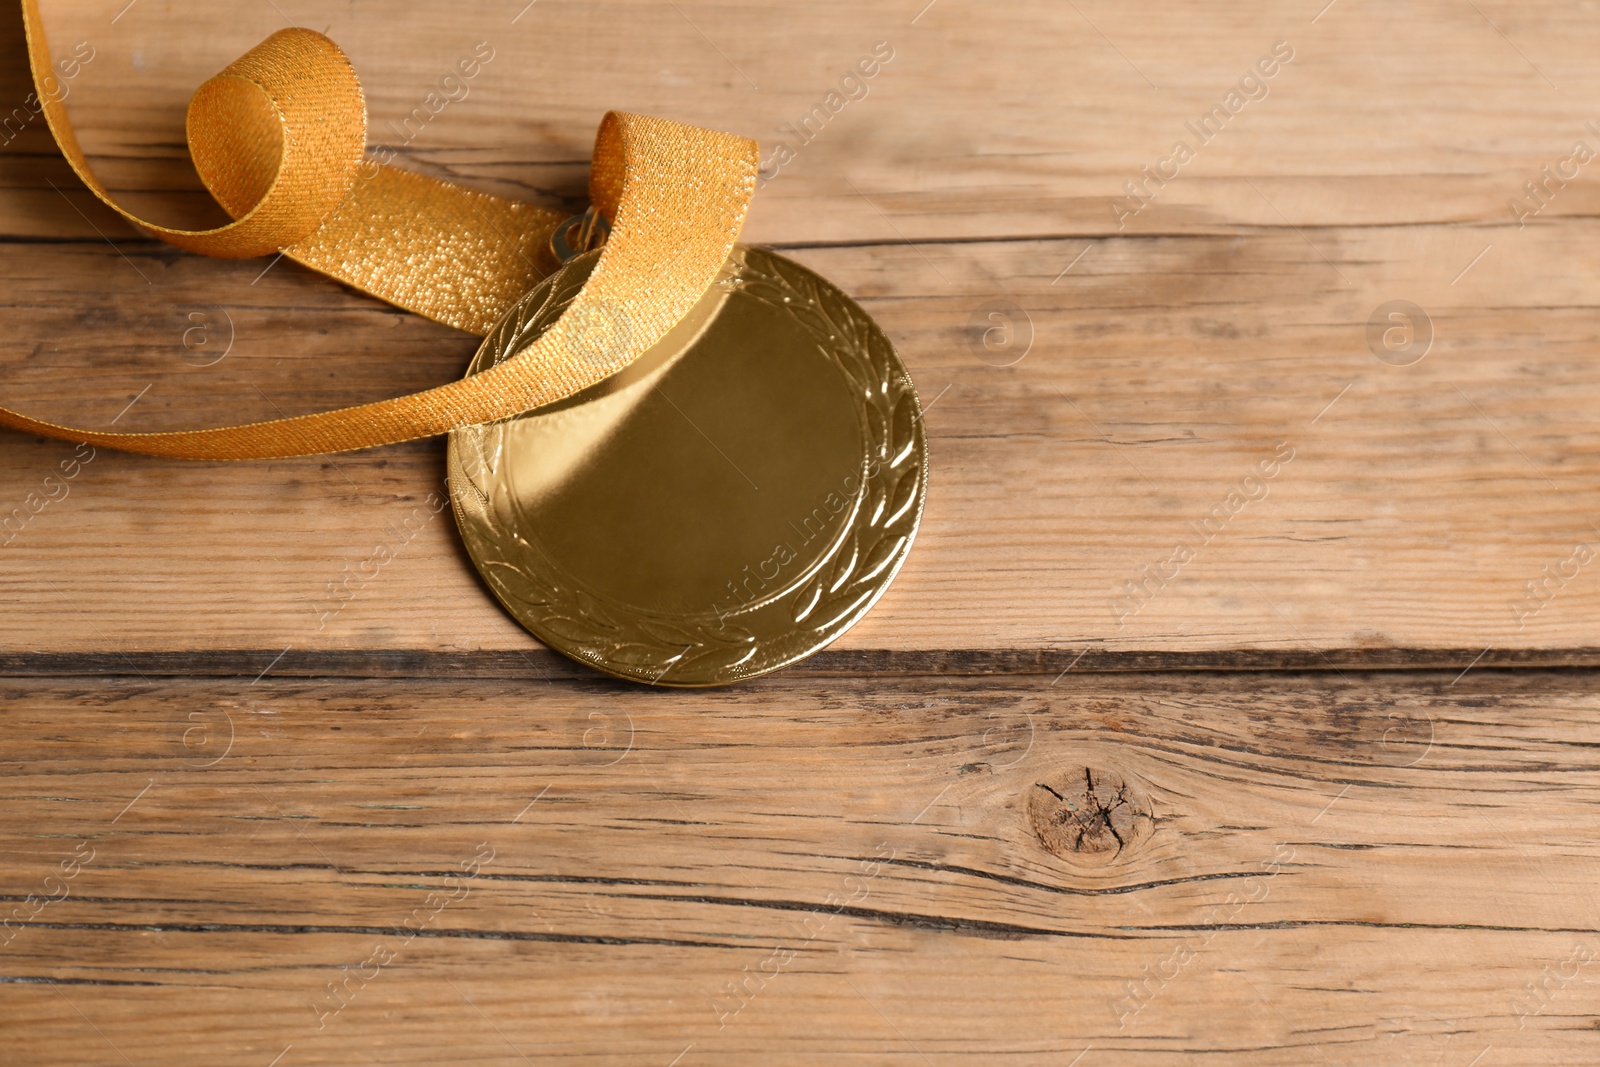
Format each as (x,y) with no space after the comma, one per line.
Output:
(1089,814)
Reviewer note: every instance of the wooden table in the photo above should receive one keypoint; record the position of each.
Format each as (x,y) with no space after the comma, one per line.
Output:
(1237,704)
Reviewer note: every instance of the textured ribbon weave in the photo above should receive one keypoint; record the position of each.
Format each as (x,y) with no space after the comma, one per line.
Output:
(279,138)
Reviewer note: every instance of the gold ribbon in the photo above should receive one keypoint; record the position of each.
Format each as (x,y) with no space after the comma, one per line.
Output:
(279,139)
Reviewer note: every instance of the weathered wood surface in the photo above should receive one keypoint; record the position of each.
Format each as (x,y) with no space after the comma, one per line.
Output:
(1176,353)
(1320,868)
(834,865)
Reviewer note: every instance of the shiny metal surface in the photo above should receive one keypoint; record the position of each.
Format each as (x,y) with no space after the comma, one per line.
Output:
(729,504)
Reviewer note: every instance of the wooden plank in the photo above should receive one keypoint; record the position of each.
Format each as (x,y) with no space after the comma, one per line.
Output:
(1328,867)
(1405,486)
(1227,320)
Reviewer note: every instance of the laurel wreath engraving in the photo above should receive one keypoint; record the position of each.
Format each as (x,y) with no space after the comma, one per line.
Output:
(708,646)
(855,343)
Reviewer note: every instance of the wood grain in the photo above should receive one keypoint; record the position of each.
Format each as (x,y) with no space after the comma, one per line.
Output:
(271,836)
(1331,868)
(1225,318)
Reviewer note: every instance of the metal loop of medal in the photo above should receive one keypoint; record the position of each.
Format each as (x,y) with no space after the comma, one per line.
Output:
(580,234)
(728,504)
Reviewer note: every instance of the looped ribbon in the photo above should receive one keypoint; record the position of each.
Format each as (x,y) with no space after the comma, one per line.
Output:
(279,139)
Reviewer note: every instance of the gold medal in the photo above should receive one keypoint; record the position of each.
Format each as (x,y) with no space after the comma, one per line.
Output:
(734,500)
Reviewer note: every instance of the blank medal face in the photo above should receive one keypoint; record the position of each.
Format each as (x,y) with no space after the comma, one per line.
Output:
(728,504)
